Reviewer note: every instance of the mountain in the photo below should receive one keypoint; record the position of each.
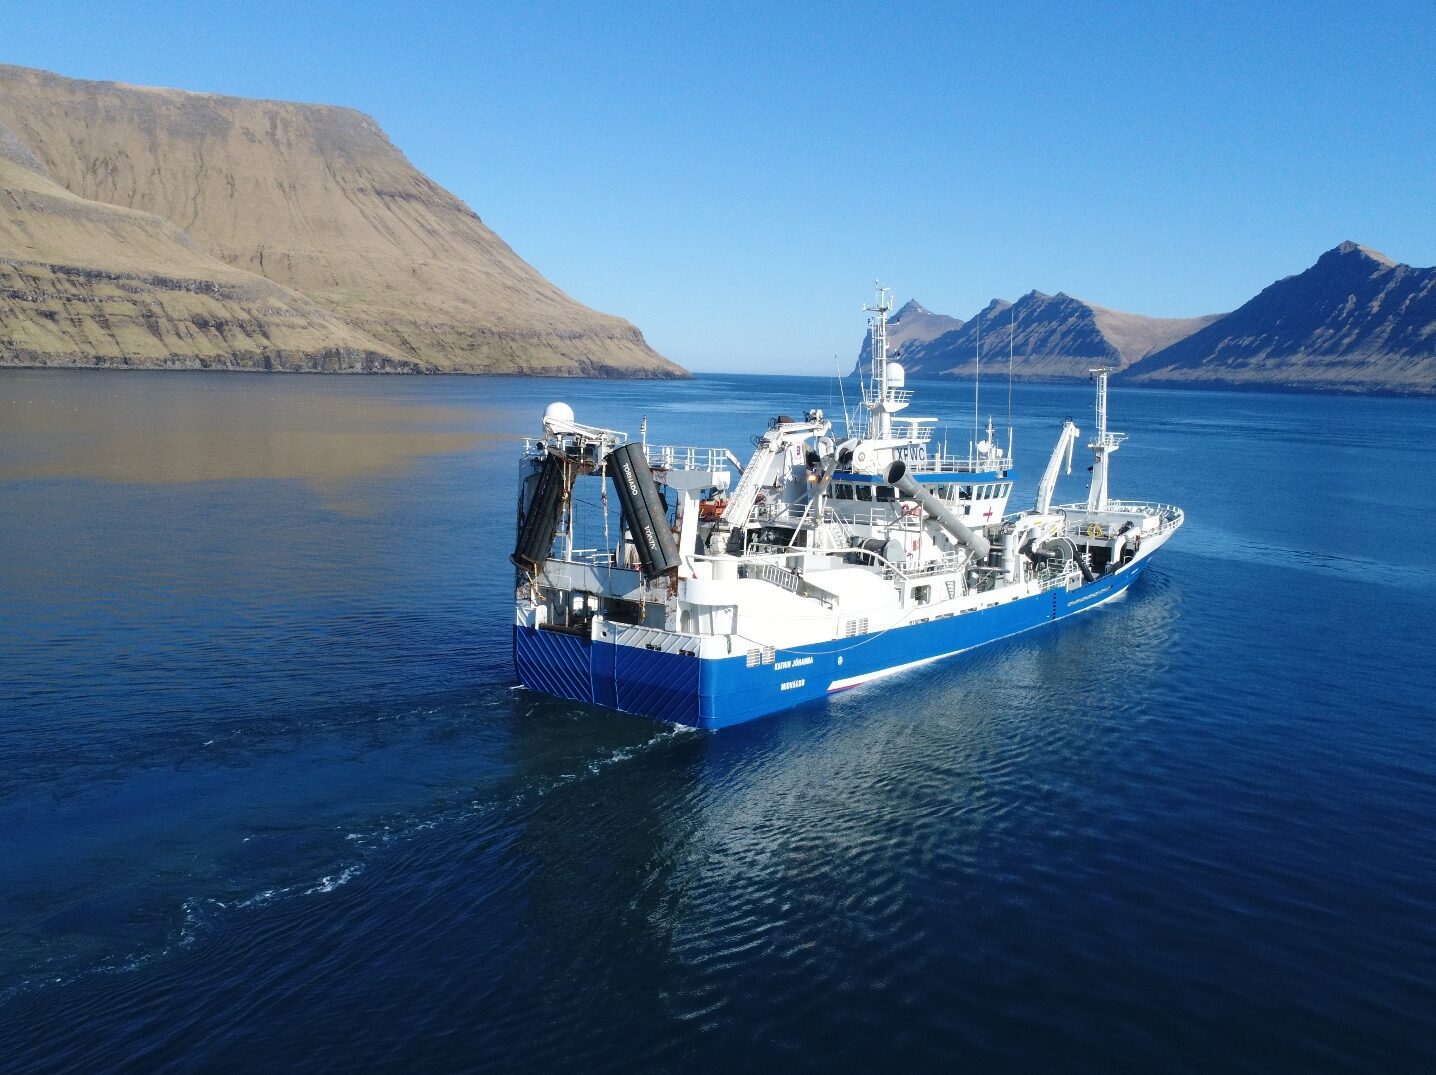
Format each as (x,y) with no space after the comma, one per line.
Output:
(1053,337)
(301,223)
(1354,321)
(913,324)
(87,284)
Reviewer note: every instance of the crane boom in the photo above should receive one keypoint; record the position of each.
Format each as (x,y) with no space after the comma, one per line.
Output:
(1045,487)
(759,470)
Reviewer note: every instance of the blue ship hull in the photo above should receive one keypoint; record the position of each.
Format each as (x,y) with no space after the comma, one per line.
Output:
(709,693)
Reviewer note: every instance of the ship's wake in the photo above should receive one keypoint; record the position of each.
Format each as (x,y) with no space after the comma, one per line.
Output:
(201,915)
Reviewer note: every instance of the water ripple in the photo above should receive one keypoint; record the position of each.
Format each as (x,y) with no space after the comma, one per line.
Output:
(269,799)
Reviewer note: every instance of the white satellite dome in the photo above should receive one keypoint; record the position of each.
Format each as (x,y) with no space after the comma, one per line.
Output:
(558,412)
(897,376)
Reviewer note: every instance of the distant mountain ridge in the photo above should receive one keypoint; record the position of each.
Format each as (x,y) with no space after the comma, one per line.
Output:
(345,254)
(1356,321)
(1047,337)
(912,324)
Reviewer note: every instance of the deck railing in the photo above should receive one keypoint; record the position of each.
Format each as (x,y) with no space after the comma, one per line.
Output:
(955,464)
(689,457)
(873,393)
(945,565)
(1081,521)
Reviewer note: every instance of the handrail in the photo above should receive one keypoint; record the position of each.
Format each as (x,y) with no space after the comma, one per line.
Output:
(951,562)
(686,457)
(1079,519)
(892,571)
(954,464)
(892,395)
(1144,507)
(787,579)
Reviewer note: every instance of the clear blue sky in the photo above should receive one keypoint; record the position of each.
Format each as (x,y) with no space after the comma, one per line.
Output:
(732,177)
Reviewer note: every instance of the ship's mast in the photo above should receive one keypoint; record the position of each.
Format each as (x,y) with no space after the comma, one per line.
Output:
(1102,445)
(876,399)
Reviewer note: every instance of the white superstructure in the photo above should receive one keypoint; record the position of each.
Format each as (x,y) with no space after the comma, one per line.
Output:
(818,543)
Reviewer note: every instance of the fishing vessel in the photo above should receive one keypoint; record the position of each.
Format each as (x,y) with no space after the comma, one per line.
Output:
(707,591)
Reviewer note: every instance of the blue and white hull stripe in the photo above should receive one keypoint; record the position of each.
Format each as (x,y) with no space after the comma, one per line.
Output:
(715,693)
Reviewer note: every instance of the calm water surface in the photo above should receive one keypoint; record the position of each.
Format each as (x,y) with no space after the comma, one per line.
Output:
(269,798)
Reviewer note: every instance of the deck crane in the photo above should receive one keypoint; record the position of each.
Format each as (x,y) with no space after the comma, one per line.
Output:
(1045,487)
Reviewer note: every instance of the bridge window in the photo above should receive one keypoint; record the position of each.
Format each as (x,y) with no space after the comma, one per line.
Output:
(921,595)
(964,492)
(865,492)
(842,491)
(886,494)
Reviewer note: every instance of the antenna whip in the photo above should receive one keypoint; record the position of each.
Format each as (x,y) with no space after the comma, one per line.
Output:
(1011,343)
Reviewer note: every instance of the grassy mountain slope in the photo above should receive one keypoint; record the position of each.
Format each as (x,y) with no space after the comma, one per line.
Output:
(83,284)
(316,199)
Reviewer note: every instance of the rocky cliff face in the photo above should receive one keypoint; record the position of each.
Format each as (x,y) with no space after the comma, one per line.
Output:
(307,211)
(1049,337)
(87,284)
(1354,321)
(911,325)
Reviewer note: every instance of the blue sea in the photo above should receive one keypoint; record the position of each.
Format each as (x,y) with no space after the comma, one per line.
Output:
(270,799)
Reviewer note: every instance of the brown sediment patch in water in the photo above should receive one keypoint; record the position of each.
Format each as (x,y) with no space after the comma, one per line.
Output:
(173,456)
(167,438)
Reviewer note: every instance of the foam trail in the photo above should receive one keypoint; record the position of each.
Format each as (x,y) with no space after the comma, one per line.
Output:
(200,914)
